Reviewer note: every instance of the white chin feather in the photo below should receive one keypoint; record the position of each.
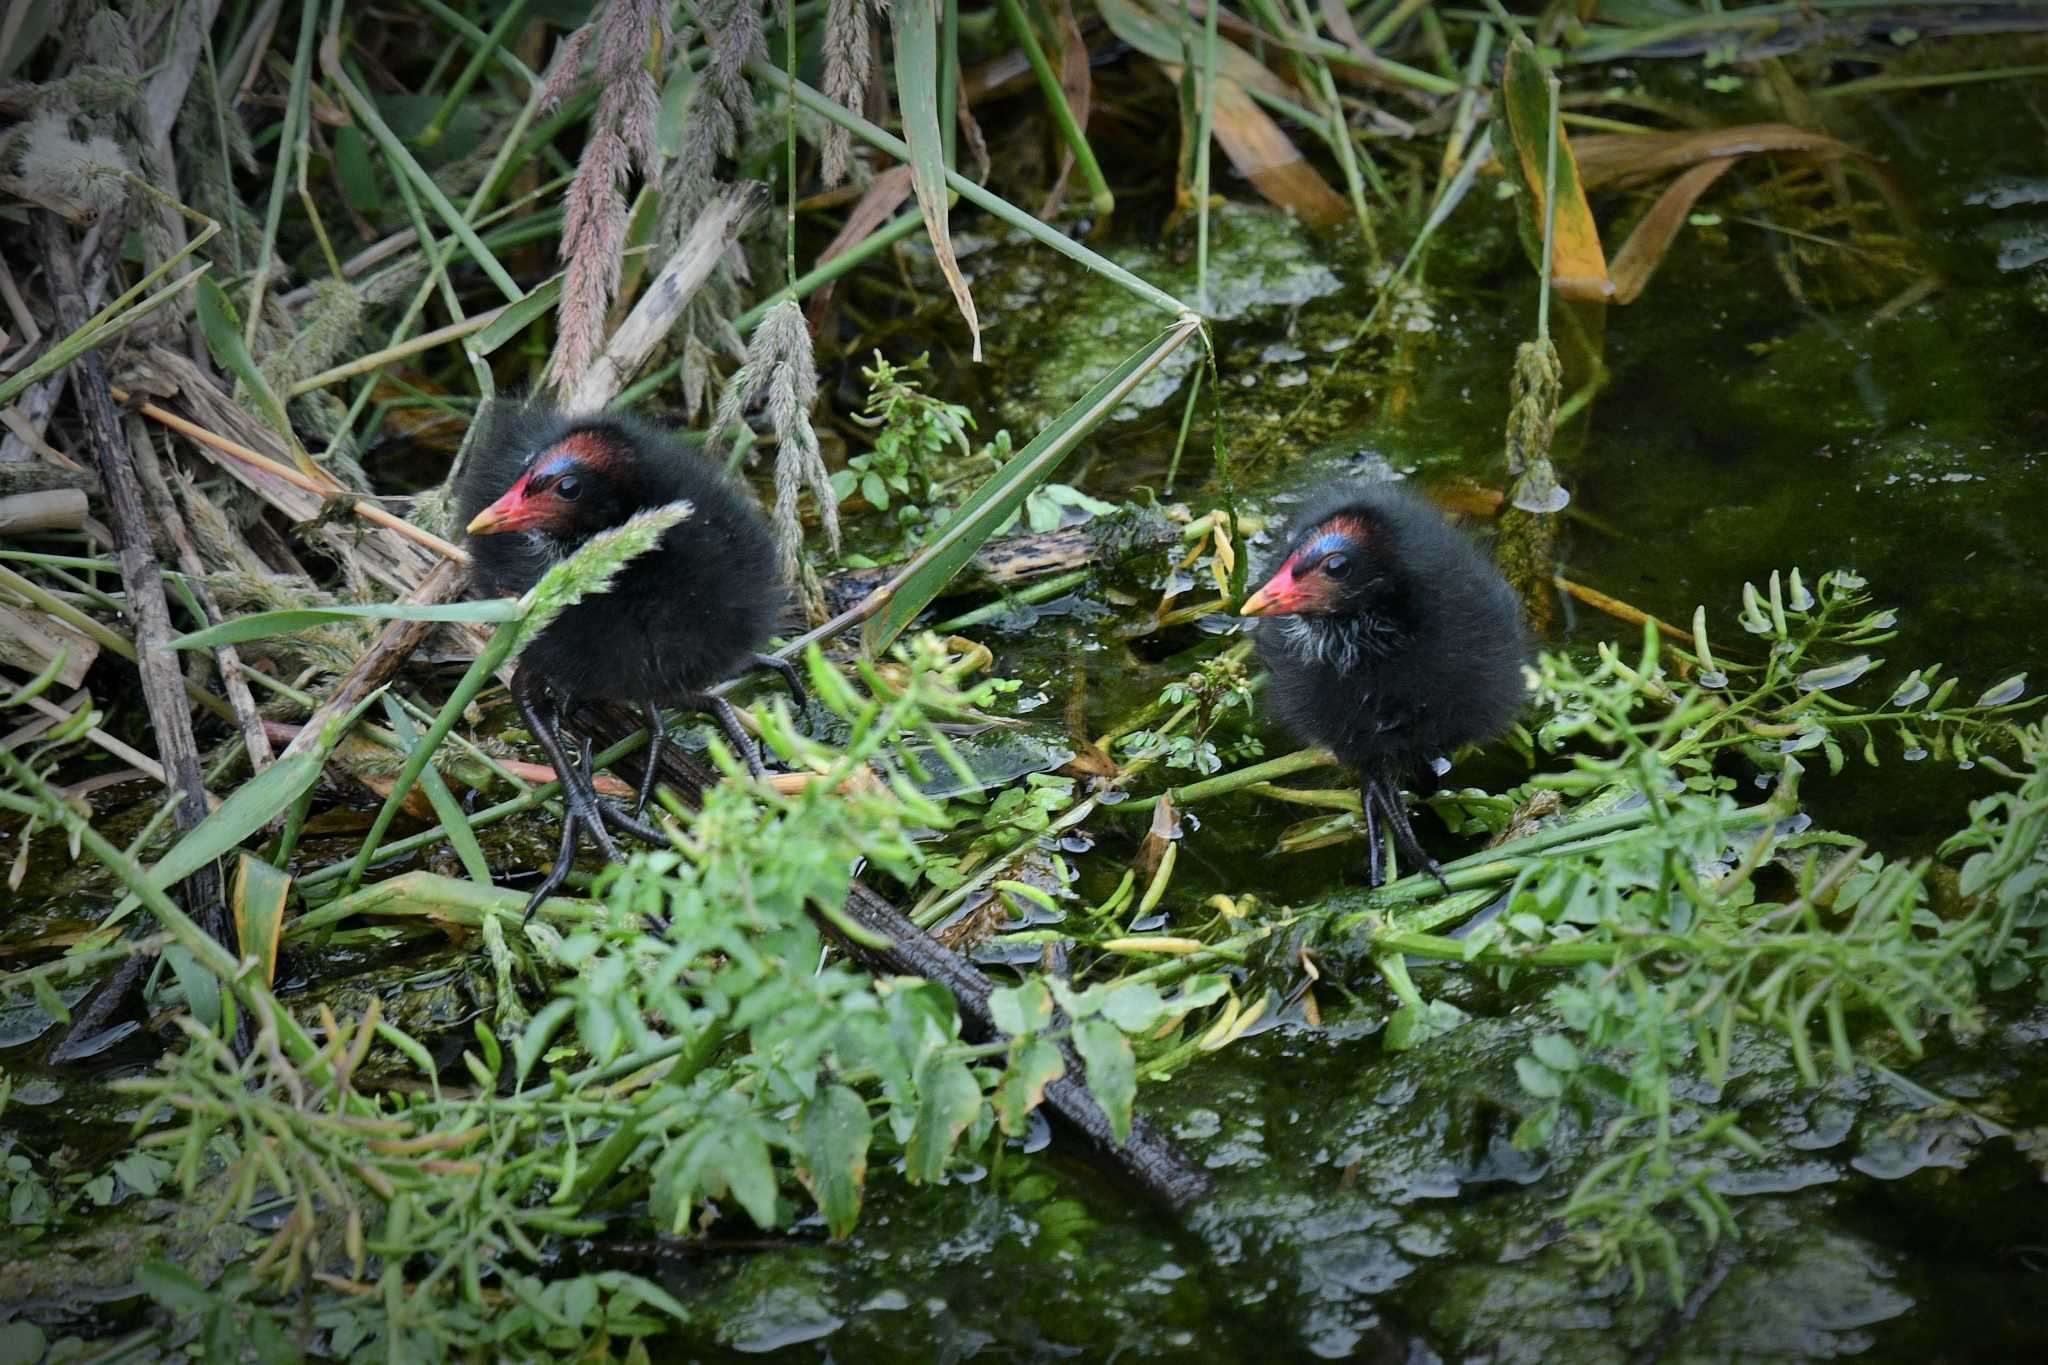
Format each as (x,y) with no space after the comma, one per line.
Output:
(1337,642)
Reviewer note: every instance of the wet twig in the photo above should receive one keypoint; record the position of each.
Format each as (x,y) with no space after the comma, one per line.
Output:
(163,688)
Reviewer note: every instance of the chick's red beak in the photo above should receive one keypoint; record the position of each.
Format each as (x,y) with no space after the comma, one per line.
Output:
(1281,596)
(512,512)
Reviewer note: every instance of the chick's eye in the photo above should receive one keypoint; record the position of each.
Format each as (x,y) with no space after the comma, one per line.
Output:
(568,488)
(1337,566)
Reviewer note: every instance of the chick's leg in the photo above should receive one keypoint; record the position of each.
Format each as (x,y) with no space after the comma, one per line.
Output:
(579,800)
(785,670)
(657,734)
(565,856)
(1410,848)
(720,710)
(1375,842)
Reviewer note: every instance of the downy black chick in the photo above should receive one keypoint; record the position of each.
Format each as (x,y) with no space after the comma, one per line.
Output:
(685,616)
(1393,640)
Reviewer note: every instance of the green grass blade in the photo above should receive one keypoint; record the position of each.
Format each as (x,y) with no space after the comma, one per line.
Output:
(445,805)
(926,575)
(254,804)
(223,333)
(264,624)
(1099,197)
(517,317)
(915,27)
(974,194)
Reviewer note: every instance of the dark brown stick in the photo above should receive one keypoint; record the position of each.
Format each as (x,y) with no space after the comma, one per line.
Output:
(1147,1155)
(1017,559)
(443,583)
(226,658)
(163,687)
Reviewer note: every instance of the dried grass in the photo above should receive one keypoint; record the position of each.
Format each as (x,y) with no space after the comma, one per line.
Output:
(621,138)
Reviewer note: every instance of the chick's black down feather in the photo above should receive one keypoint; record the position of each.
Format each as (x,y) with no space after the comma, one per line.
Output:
(686,615)
(1427,658)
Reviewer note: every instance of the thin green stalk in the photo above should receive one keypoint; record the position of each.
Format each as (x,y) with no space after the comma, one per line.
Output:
(1205,133)
(789,144)
(495,652)
(403,162)
(967,189)
(1549,214)
(467,77)
(294,112)
(1037,592)
(1187,420)
(1871,85)
(1390,22)
(1099,197)
(1301,760)
(445,805)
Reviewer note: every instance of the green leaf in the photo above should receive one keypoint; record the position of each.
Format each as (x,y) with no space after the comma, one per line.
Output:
(357,173)
(996,501)
(1023,1008)
(743,1161)
(264,624)
(833,1132)
(172,1287)
(249,809)
(1538,1079)
(948,1099)
(1134,1008)
(1036,1065)
(223,333)
(534,1039)
(1412,1026)
(1112,1071)
(1555,1051)
(915,26)
(256,899)
(516,317)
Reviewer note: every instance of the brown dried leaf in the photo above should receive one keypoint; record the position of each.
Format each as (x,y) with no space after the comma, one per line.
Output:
(1644,250)
(1578,266)
(1258,147)
(1624,159)
(1165,817)
(1077,84)
(882,198)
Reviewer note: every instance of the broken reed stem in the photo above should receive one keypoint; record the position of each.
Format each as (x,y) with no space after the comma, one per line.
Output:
(362,507)
(108,639)
(227,660)
(163,684)
(1617,608)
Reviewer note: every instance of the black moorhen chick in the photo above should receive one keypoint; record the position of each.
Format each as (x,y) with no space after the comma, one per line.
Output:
(686,615)
(1394,640)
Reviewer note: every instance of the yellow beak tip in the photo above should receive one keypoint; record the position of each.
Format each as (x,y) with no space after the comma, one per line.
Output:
(481,524)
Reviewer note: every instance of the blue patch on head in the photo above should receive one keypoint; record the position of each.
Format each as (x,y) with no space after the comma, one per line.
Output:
(553,466)
(1328,542)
